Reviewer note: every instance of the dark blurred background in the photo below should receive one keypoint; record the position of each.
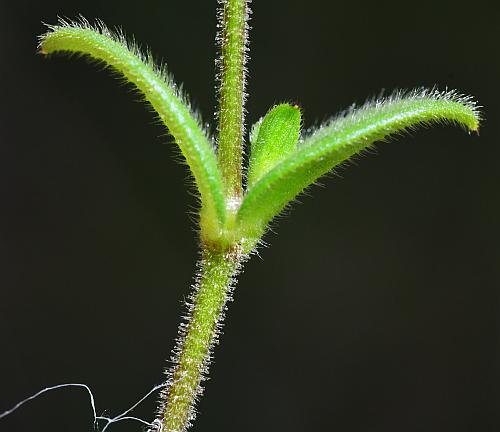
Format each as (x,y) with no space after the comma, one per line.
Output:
(376,309)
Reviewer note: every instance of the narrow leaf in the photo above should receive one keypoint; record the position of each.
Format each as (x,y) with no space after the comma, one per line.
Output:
(344,137)
(159,90)
(273,139)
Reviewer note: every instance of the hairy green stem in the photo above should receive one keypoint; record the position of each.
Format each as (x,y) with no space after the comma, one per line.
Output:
(197,337)
(233,39)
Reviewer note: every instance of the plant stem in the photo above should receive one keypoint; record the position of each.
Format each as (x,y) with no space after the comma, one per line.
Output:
(219,264)
(197,337)
(233,39)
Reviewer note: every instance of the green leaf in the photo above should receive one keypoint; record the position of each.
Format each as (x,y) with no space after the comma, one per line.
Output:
(342,138)
(273,139)
(159,90)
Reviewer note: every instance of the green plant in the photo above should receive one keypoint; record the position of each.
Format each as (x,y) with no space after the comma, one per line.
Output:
(235,214)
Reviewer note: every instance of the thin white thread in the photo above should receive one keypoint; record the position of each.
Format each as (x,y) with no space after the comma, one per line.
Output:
(45,390)
(123,415)
(153,426)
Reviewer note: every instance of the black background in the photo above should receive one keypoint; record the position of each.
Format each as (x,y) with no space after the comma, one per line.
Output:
(376,309)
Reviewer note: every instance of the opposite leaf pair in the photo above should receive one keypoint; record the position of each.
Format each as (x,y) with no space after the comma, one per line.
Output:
(281,166)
